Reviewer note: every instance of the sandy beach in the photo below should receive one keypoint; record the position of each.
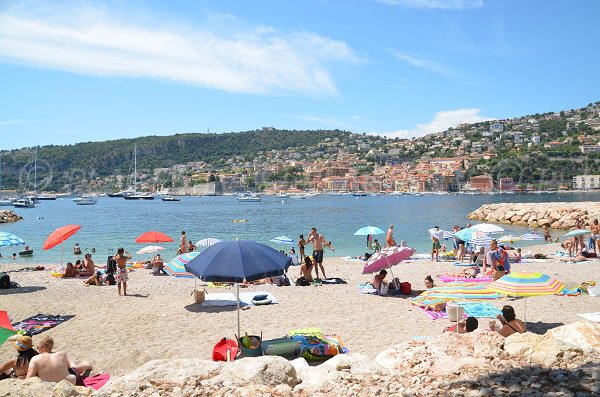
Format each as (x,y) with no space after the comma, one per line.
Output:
(159,319)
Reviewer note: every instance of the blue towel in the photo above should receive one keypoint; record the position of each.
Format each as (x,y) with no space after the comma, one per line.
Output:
(463,264)
(481,310)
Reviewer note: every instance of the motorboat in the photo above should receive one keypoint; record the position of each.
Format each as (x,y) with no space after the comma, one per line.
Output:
(248,197)
(24,203)
(359,194)
(27,252)
(6,203)
(122,193)
(85,200)
(139,196)
(169,198)
(46,197)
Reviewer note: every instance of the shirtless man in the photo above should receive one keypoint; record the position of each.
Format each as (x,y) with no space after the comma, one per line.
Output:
(389,239)
(51,367)
(88,266)
(318,240)
(122,276)
(46,345)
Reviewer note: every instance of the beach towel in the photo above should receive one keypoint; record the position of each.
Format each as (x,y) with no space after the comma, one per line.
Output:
(480,309)
(221,299)
(464,264)
(247,297)
(40,323)
(446,278)
(96,381)
(435,315)
(591,316)
(367,288)
(334,280)
(570,292)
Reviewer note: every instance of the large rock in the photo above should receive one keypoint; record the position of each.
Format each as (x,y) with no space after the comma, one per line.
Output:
(443,354)
(7,216)
(583,334)
(34,387)
(175,371)
(264,370)
(543,350)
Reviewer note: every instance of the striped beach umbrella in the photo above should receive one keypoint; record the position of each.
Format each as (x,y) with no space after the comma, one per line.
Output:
(176,267)
(527,284)
(487,228)
(8,239)
(207,242)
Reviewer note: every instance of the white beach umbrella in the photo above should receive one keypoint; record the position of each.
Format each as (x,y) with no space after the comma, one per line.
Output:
(207,242)
(487,228)
(151,249)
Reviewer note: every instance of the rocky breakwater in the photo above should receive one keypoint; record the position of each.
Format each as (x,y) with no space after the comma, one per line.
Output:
(7,216)
(563,362)
(554,215)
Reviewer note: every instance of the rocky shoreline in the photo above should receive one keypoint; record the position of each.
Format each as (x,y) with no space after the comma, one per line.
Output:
(563,362)
(7,216)
(554,215)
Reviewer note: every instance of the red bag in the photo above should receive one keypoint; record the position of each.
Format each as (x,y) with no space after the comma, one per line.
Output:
(405,288)
(221,348)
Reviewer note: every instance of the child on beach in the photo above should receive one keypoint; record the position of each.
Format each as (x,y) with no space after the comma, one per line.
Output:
(301,244)
(122,277)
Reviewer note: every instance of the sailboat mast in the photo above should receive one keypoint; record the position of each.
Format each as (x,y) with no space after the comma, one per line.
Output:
(135,167)
(35,172)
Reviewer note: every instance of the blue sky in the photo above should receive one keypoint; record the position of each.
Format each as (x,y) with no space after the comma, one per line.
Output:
(87,71)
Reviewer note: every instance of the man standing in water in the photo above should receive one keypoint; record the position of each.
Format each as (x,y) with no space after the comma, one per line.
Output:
(318,241)
(389,239)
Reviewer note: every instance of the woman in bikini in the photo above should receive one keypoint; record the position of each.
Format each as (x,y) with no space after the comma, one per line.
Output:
(20,364)
(510,323)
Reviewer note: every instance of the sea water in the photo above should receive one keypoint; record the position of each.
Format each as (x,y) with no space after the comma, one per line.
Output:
(115,222)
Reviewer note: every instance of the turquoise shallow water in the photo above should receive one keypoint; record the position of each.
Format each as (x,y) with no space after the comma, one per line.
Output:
(115,222)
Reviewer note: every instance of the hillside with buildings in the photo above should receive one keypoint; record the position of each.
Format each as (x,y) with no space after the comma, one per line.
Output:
(548,151)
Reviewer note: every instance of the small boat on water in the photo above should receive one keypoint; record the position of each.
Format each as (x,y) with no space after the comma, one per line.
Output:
(26,253)
(169,198)
(6,203)
(248,197)
(139,196)
(46,197)
(85,200)
(24,203)
(359,194)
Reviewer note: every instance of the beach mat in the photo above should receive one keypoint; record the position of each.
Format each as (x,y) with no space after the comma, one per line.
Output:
(333,280)
(97,381)
(367,288)
(40,322)
(220,299)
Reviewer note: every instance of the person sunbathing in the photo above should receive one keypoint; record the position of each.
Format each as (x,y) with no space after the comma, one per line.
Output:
(581,257)
(97,279)
(19,365)
(510,323)
(306,269)
(46,345)
(70,271)
(51,367)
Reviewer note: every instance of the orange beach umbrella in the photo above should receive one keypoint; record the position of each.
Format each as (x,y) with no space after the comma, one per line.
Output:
(153,237)
(59,236)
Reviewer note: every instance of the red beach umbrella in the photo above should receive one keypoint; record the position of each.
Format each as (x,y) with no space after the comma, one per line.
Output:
(153,237)
(6,328)
(59,236)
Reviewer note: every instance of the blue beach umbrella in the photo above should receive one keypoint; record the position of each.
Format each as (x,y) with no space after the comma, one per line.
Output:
(283,240)
(238,261)
(8,239)
(365,231)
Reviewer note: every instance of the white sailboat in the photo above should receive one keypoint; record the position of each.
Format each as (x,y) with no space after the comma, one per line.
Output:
(135,195)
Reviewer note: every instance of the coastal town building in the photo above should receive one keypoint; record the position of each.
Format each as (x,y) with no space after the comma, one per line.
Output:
(586,182)
(484,183)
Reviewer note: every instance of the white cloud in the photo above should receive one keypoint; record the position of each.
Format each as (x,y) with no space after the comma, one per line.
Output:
(423,63)
(441,122)
(441,4)
(13,122)
(255,59)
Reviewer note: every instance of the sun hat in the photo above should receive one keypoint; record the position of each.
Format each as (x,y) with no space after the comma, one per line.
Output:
(21,342)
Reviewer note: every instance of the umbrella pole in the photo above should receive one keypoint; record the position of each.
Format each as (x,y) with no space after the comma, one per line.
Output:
(238,310)
(62,252)
(525,314)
